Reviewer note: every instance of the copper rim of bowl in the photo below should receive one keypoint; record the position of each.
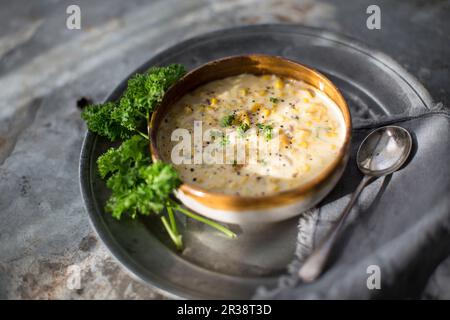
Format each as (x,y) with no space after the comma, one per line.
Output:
(255,64)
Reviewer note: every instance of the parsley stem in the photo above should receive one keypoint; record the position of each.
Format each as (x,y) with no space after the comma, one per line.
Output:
(142,134)
(194,216)
(173,223)
(175,238)
(140,113)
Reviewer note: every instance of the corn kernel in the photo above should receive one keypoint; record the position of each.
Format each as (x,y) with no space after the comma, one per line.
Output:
(331,134)
(255,107)
(284,139)
(309,123)
(242,117)
(333,147)
(303,144)
(262,93)
(243,92)
(213,101)
(266,112)
(306,100)
(306,167)
(279,84)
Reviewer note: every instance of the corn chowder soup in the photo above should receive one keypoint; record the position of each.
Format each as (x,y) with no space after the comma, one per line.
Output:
(307,125)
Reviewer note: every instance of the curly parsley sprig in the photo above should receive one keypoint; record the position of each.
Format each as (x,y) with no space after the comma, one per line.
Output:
(137,185)
(121,119)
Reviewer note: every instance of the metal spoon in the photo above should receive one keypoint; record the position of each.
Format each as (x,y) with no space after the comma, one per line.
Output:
(382,152)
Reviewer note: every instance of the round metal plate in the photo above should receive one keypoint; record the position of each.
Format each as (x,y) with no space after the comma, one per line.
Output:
(212,266)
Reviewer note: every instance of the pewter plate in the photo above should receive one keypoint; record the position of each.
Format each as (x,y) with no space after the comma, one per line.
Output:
(212,266)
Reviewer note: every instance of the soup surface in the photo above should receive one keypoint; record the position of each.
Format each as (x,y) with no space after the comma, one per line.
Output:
(251,135)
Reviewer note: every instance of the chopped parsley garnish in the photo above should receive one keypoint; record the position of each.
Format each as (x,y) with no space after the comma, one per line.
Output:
(224,141)
(243,127)
(274,100)
(227,120)
(266,130)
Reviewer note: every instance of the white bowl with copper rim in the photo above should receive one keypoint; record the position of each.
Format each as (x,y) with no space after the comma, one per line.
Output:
(276,206)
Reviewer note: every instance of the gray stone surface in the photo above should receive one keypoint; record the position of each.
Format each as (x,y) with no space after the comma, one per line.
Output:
(45,69)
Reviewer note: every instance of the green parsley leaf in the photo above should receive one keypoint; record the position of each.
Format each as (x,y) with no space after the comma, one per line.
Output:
(266,130)
(243,127)
(99,119)
(147,189)
(137,186)
(144,93)
(227,121)
(117,120)
(224,141)
(274,100)
(130,152)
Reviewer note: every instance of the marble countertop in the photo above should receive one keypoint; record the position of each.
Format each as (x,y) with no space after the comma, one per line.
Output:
(46,68)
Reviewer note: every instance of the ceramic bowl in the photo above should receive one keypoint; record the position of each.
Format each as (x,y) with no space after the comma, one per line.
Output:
(274,207)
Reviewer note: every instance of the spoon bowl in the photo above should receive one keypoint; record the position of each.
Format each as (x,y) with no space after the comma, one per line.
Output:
(384,151)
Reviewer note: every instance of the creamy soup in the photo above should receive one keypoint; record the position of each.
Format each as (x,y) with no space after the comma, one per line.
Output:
(306,125)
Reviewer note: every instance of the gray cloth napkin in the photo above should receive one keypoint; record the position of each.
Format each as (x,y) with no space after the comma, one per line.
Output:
(401,222)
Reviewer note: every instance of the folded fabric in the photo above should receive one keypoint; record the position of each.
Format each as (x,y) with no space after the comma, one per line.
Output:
(400,224)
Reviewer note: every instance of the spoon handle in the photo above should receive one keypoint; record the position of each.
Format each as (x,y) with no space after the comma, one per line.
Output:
(316,262)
